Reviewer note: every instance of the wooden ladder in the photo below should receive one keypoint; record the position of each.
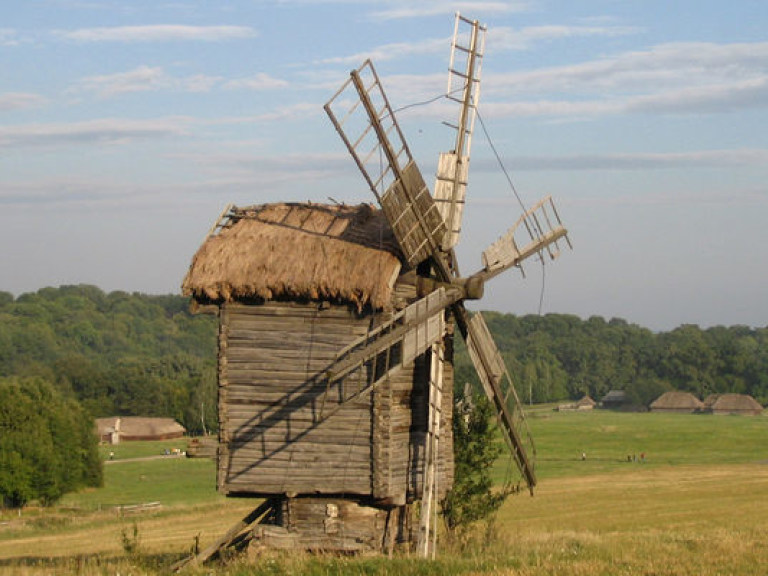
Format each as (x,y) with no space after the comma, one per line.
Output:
(427,540)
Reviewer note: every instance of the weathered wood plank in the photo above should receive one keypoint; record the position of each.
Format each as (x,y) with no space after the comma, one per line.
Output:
(335,455)
(287,308)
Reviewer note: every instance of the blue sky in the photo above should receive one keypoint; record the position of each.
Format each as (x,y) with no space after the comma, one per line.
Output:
(126,127)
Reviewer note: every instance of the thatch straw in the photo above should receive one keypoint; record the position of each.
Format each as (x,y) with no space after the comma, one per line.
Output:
(138,426)
(302,251)
(677,400)
(733,404)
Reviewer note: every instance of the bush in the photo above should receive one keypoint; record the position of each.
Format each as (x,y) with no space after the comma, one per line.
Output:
(475,450)
(47,446)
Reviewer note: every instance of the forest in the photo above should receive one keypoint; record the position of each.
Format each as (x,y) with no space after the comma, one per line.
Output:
(116,353)
(122,353)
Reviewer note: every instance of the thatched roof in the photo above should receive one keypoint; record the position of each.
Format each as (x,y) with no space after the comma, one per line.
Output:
(733,404)
(677,401)
(302,251)
(139,427)
(586,402)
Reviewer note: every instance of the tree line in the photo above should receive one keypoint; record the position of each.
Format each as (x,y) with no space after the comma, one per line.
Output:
(560,356)
(135,354)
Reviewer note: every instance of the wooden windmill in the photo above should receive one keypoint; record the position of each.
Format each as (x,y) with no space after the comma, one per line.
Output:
(336,331)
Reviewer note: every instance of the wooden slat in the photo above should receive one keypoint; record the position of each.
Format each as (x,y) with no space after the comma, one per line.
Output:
(413,216)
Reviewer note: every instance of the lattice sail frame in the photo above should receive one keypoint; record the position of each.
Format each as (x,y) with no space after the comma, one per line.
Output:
(464,69)
(368,127)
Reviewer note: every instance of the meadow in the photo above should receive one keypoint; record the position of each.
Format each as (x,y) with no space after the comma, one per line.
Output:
(696,504)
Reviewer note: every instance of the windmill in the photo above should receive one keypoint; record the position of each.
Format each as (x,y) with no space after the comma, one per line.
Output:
(427,229)
(335,335)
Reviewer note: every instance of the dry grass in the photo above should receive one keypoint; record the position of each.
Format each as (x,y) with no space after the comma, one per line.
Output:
(664,521)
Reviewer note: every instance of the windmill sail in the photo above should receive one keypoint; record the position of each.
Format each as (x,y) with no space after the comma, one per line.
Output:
(500,390)
(541,224)
(373,137)
(392,345)
(464,69)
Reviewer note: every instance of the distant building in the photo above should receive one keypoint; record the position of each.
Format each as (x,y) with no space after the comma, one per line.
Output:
(615,400)
(677,401)
(118,429)
(586,403)
(742,404)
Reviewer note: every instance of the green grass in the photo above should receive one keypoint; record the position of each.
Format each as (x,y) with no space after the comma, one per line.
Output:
(172,481)
(697,506)
(126,450)
(128,480)
(608,438)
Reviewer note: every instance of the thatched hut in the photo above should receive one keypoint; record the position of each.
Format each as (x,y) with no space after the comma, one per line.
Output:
(294,285)
(585,403)
(614,400)
(743,404)
(118,429)
(677,401)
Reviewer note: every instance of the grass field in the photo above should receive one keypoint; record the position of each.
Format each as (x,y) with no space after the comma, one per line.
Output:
(698,505)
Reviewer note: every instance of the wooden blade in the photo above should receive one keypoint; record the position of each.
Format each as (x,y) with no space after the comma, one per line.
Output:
(542,227)
(363,117)
(464,69)
(413,216)
(374,139)
(500,390)
(408,334)
(389,347)
(450,192)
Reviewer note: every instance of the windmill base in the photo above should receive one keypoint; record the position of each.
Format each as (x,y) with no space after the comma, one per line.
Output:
(343,525)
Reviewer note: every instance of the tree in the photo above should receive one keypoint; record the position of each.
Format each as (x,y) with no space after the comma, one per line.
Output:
(476,448)
(47,447)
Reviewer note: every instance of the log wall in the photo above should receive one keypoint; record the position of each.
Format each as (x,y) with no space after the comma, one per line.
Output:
(272,361)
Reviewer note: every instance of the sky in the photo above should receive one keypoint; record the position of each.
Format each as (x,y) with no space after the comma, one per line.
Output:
(126,128)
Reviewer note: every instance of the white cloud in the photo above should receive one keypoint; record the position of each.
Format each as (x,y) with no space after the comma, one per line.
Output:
(668,78)
(8,37)
(392,51)
(402,10)
(19,100)
(635,161)
(501,39)
(107,130)
(504,38)
(149,78)
(159,33)
(139,79)
(290,112)
(198,83)
(260,81)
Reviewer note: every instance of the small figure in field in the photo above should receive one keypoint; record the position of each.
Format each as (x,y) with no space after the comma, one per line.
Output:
(583,455)
(642,456)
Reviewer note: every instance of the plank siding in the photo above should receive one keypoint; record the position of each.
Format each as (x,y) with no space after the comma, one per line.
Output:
(275,434)
(276,354)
